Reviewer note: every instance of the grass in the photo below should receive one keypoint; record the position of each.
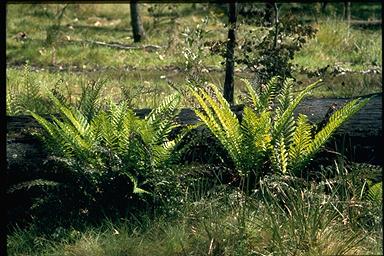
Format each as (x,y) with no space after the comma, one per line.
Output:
(282,217)
(144,74)
(89,22)
(143,88)
(335,44)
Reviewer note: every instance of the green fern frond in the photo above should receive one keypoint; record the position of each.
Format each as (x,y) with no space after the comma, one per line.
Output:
(283,98)
(28,185)
(161,119)
(288,113)
(268,93)
(220,119)
(166,109)
(256,129)
(72,115)
(60,97)
(375,193)
(280,155)
(251,93)
(88,104)
(301,140)
(335,121)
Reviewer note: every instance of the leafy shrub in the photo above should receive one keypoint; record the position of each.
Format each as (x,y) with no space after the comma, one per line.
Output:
(268,49)
(268,135)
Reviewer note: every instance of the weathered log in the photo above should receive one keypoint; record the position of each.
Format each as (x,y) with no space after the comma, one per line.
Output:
(360,138)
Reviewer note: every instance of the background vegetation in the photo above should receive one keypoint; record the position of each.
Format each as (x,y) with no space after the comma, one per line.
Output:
(116,184)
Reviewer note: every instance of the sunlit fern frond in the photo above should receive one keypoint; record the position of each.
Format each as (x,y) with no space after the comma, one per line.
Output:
(75,117)
(335,121)
(60,97)
(89,102)
(268,93)
(375,193)
(252,94)
(72,143)
(220,119)
(280,155)
(286,117)
(301,141)
(161,120)
(283,98)
(256,137)
(256,129)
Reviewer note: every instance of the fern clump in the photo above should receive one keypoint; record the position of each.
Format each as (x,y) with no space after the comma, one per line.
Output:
(268,135)
(109,147)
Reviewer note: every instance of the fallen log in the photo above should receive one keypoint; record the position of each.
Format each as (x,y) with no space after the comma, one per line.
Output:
(360,138)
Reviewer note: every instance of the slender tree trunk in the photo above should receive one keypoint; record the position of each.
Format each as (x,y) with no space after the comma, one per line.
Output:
(137,26)
(276,23)
(230,61)
(347,12)
(270,13)
(323,6)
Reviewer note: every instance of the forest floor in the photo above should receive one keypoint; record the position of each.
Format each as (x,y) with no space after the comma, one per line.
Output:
(93,42)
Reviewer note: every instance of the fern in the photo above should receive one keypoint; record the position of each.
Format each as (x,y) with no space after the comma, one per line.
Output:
(335,121)
(280,155)
(28,185)
(301,140)
(221,121)
(375,193)
(269,129)
(89,103)
(286,116)
(112,138)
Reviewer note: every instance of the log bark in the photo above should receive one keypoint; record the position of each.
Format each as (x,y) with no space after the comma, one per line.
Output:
(360,138)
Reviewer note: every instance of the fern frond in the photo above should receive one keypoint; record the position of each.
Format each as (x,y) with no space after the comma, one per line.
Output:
(252,93)
(283,98)
(335,121)
(227,119)
(166,110)
(256,129)
(161,119)
(375,193)
(220,119)
(280,155)
(72,115)
(268,93)
(301,141)
(28,185)
(288,113)
(88,104)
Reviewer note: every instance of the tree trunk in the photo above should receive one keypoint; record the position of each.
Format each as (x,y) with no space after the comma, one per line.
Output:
(270,13)
(347,11)
(137,26)
(323,6)
(230,61)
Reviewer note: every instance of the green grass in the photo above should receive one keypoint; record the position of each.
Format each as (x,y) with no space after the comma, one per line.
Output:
(336,44)
(282,217)
(107,23)
(143,72)
(142,88)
